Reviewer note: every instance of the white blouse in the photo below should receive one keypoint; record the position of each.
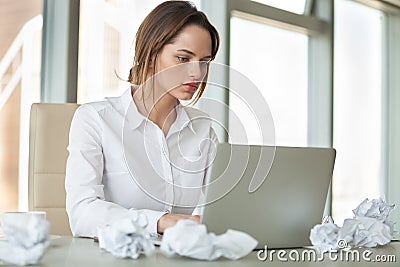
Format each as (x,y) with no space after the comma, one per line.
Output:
(120,161)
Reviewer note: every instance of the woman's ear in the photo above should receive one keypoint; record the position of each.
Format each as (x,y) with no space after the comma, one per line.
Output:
(152,64)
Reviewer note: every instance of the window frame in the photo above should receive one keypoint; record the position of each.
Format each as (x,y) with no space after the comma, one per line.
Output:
(392,181)
(317,25)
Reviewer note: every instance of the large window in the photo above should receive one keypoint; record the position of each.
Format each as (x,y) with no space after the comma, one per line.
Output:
(358,111)
(276,61)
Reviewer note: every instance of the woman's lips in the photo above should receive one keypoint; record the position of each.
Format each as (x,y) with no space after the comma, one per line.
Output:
(191,86)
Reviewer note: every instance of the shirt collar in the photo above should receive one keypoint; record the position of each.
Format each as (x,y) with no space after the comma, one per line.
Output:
(135,118)
(132,115)
(182,120)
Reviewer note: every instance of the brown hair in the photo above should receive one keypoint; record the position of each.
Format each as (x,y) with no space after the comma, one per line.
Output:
(158,29)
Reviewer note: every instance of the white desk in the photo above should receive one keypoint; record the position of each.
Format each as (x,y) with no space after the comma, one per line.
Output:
(75,252)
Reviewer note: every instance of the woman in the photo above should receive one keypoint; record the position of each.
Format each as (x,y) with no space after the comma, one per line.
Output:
(144,151)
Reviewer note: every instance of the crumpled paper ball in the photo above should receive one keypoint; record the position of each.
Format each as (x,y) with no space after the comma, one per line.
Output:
(189,238)
(368,228)
(28,232)
(22,256)
(376,208)
(126,238)
(364,232)
(391,225)
(325,236)
(26,240)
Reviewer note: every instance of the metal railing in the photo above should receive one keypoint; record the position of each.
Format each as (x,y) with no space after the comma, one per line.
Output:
(20,70)
(21,58)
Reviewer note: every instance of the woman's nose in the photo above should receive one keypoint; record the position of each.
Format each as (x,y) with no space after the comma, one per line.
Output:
(195,70)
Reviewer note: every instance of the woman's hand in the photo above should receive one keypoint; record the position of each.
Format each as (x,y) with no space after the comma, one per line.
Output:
(170,219)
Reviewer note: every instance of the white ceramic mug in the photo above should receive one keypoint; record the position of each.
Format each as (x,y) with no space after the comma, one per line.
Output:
(13,216)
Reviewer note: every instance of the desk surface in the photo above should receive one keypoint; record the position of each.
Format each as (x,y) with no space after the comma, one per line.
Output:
(68,251)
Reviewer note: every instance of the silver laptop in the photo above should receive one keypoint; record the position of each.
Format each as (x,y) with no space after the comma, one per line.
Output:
(275,194)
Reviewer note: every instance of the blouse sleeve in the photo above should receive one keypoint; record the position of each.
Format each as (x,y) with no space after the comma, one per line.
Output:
(86,205)
(207,173)
(210,157)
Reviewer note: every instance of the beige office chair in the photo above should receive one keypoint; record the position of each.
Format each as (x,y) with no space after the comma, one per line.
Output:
(48,141)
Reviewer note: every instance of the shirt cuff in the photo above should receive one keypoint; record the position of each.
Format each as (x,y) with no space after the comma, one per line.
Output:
(152,219)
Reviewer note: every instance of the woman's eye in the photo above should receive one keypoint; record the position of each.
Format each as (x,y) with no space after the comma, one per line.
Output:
(204,63)
(182,59)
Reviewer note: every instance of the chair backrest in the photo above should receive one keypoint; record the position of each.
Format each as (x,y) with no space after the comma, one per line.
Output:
(48,141)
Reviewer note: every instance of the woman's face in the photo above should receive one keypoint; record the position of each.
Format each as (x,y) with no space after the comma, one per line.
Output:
(182,65)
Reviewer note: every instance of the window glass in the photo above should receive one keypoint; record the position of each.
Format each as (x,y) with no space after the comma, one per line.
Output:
(276,61)
(357,106)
